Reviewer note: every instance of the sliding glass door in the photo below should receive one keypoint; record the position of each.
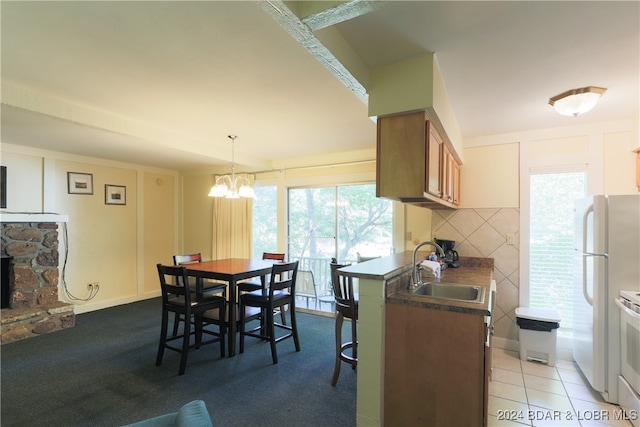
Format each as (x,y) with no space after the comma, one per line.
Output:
(336,222)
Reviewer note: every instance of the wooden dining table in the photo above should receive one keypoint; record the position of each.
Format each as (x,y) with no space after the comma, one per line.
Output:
(230,270)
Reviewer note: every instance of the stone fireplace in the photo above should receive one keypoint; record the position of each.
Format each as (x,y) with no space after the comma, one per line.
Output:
(30,251)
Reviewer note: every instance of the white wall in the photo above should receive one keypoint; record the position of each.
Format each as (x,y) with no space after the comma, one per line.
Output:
(490,177)
(496,174)
(113,245)
(26,170)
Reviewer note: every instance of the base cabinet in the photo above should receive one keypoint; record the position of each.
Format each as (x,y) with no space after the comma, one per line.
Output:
(435,368)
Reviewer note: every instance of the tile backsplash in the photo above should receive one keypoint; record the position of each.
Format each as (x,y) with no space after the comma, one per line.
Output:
(484,233)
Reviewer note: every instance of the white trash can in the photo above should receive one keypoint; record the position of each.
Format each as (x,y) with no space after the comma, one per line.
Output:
(538,334)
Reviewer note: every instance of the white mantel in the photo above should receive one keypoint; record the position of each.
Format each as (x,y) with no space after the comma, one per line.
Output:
(32,217)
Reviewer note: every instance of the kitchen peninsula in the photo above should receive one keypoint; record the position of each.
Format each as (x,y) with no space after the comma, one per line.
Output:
(413,348)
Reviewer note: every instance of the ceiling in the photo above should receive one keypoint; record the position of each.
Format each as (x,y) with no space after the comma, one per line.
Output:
(163,83)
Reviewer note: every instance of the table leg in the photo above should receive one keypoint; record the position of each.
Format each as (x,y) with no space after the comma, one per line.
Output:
(232,318)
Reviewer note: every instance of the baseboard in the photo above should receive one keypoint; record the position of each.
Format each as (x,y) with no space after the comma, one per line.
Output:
(503,343)
(88,307)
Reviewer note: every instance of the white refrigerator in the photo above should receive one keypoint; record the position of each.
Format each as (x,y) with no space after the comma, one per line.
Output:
(607,244)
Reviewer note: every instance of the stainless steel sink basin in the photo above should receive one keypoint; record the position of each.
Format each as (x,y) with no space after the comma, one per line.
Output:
(467,293)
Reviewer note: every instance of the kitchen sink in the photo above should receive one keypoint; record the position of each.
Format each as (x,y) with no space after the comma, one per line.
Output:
(467,293)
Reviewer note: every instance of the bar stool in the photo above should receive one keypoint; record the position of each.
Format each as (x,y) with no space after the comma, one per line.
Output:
(346,308)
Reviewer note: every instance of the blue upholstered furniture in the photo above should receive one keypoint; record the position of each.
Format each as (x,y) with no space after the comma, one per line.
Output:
(193,414)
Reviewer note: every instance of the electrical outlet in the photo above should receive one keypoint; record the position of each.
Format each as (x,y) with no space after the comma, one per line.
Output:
(409,235)
(509,238)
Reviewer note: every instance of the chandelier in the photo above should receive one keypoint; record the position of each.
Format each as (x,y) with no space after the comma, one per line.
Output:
(232,186)
(577,101)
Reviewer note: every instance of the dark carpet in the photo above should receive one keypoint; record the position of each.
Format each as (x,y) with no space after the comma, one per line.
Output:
(102,373)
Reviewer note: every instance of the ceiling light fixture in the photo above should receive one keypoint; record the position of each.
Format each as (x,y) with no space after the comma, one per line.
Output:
(232,186)
(577,101)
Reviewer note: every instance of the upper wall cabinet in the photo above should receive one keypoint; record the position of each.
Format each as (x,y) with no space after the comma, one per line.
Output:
(414,164)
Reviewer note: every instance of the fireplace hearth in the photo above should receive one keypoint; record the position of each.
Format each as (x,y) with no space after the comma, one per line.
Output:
(30,304)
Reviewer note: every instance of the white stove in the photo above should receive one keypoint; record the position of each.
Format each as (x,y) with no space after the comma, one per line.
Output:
(629,380)
(632,300)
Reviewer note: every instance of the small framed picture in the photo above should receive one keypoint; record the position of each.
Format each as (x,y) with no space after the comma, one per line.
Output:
(115,194)
(79,183)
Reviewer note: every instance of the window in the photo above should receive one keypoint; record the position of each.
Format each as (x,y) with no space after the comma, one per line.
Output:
(551,241)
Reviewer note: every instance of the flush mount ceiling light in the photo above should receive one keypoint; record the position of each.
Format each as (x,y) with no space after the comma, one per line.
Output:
(577,101)
(232,186)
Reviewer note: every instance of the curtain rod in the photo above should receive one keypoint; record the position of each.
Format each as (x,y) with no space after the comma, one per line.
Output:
(326,165)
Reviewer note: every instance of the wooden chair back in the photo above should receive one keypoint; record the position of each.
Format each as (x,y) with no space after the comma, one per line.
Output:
(274,256)
(187,259)
(172,284)
(283,277)
(343,292)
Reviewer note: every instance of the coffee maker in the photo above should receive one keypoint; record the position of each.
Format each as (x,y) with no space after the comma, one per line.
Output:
(450,256)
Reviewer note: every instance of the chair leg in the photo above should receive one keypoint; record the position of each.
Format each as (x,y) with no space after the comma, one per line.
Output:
(294,327)
(336,369)
(176,322)
(272,335)
(198,326)
(163,337)
(222,328)
(185,345)
(241,328)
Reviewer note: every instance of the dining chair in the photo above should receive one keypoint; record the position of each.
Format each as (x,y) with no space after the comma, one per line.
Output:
(280,292)
(254,285)
(346,308)
(208,286)
(195,314)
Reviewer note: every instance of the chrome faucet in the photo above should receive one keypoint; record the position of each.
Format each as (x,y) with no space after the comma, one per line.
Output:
(416,279)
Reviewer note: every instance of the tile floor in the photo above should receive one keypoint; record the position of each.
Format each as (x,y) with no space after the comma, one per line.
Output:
(535,394)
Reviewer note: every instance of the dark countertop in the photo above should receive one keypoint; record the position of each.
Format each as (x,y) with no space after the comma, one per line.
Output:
(472,271)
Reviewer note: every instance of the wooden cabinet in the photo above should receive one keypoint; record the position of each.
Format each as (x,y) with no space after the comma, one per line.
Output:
(456,184)
(451,178)
(414,163)
(434,183)
(436,367)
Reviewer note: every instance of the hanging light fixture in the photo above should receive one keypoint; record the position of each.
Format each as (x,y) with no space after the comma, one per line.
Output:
(577,101)
(232,186)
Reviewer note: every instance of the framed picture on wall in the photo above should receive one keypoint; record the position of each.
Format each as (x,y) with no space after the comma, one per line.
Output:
(115,194)
(79,183)
(3,186)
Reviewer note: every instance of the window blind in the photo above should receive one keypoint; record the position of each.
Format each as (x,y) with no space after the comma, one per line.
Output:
(551,242)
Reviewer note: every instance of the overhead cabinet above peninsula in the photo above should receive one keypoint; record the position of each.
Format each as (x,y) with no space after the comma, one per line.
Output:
(414,162)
